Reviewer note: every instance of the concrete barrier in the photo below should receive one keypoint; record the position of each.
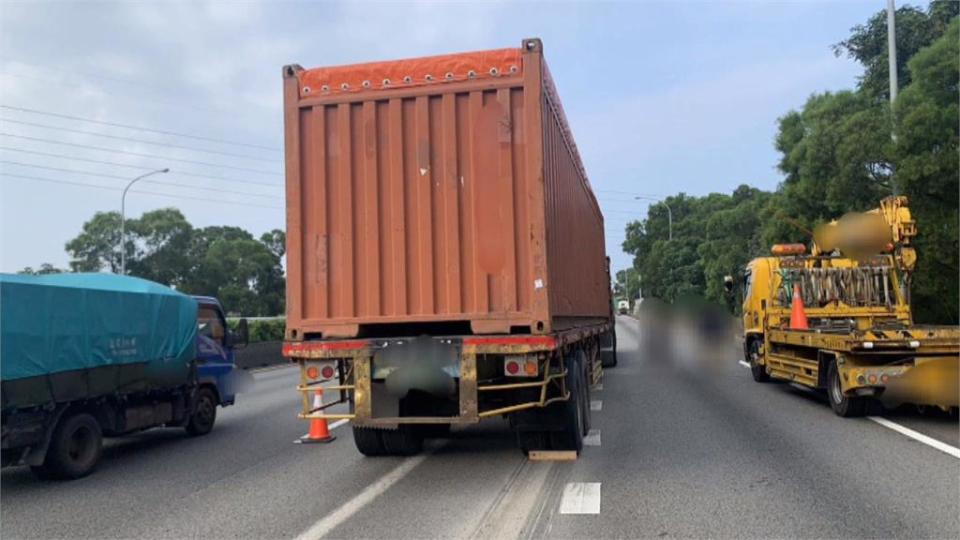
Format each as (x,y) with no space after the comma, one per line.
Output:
(258,355)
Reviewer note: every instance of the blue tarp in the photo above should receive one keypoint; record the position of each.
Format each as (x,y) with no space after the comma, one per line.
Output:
(65,322)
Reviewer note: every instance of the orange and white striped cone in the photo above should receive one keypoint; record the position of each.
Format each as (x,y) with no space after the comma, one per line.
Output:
(319,431)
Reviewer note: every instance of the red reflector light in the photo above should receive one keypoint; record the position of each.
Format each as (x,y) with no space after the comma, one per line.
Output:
(327,372)
(512,367)
(872,378)
(312,372)
(884,378)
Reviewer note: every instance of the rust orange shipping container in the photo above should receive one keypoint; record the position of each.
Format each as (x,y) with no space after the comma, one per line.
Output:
(445,254)
(437,195)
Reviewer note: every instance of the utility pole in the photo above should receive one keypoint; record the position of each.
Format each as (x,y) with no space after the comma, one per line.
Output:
(123,219)
(892,49)
(892,67)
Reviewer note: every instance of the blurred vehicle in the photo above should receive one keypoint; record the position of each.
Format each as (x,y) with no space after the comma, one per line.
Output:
(85,356)
(623,307)
(840,319)
(445,250)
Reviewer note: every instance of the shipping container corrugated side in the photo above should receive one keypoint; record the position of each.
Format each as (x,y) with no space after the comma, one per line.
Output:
(437,195)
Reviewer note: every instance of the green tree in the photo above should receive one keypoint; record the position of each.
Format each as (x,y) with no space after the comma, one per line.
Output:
(45,268)
(928,143)
(916,29)
(161,239)
(97,247)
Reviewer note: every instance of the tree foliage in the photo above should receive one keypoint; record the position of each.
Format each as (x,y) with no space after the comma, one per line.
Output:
(838,155)
(226,262)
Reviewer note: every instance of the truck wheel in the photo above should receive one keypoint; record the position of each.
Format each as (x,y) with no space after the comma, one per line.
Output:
(758,371)
(845,406)
(608,349)
(368,441)
(570,437)
(205,414)
(75,448)
(403,441)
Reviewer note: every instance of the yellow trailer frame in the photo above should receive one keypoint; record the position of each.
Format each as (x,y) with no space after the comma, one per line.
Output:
(353,378)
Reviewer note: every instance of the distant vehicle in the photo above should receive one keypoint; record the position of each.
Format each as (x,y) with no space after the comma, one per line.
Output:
(840,318)
(85,356)
(453,269)
(623,307)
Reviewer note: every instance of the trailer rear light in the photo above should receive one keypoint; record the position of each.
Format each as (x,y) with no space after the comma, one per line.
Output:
(914,344)
(872,378)
(530,368)
(867,344)
(313,372)
(861,379)
(884,378)
(520,367)
(327,372)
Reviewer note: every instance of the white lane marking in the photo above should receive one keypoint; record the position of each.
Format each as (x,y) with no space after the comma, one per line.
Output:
(744,364)
(917,436)
(596,405)
(338,423)
(599,387)
(365,497)
(592,438)
(581,498)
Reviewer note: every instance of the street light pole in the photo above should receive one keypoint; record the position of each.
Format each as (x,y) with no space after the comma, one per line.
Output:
(669,213)
(123,218)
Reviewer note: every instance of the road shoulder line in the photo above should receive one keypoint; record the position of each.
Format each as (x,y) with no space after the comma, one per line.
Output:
(917,436)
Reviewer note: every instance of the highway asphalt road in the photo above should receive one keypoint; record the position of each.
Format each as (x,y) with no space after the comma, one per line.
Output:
(675,455)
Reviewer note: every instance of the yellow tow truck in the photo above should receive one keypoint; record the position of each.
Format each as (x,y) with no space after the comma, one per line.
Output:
(860,343)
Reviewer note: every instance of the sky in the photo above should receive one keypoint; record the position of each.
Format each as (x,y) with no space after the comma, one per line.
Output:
(662,97)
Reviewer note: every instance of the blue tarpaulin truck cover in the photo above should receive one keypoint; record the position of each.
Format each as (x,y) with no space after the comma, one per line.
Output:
(111,330)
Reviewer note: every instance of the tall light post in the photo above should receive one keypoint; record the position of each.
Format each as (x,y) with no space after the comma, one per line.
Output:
(123,218)
(669,213)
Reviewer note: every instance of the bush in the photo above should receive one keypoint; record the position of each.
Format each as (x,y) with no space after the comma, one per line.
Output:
(263,329)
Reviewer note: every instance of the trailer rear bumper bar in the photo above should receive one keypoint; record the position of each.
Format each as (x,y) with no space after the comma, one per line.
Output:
(353,367)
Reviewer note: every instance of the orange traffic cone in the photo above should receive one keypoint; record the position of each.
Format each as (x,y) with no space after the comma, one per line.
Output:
(319,431)
(798,319)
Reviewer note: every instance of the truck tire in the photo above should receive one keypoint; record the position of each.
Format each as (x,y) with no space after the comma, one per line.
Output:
(368,441)
(758,371)
(75,448)
(204,414)
(403,441)
(530,441)
(845,406)
(570,412)
(608,348)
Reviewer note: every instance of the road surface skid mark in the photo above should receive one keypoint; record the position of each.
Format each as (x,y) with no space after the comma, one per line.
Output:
(552,455)
(581,498)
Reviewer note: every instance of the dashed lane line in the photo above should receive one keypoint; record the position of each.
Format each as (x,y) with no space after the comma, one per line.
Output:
(917,436)
(581,498)
(592,438)
(744,364)
(596,405)
(332,520)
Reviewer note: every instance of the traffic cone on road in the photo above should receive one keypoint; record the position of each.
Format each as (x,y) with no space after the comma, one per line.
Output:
(798,318)
(319,431)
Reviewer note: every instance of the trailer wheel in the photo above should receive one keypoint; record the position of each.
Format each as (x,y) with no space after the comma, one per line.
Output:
(570,436)
(205,414)
(75,448)
(758,371)
(403,441)
(368,441)
(608,348)
(845,406)
(529,441)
